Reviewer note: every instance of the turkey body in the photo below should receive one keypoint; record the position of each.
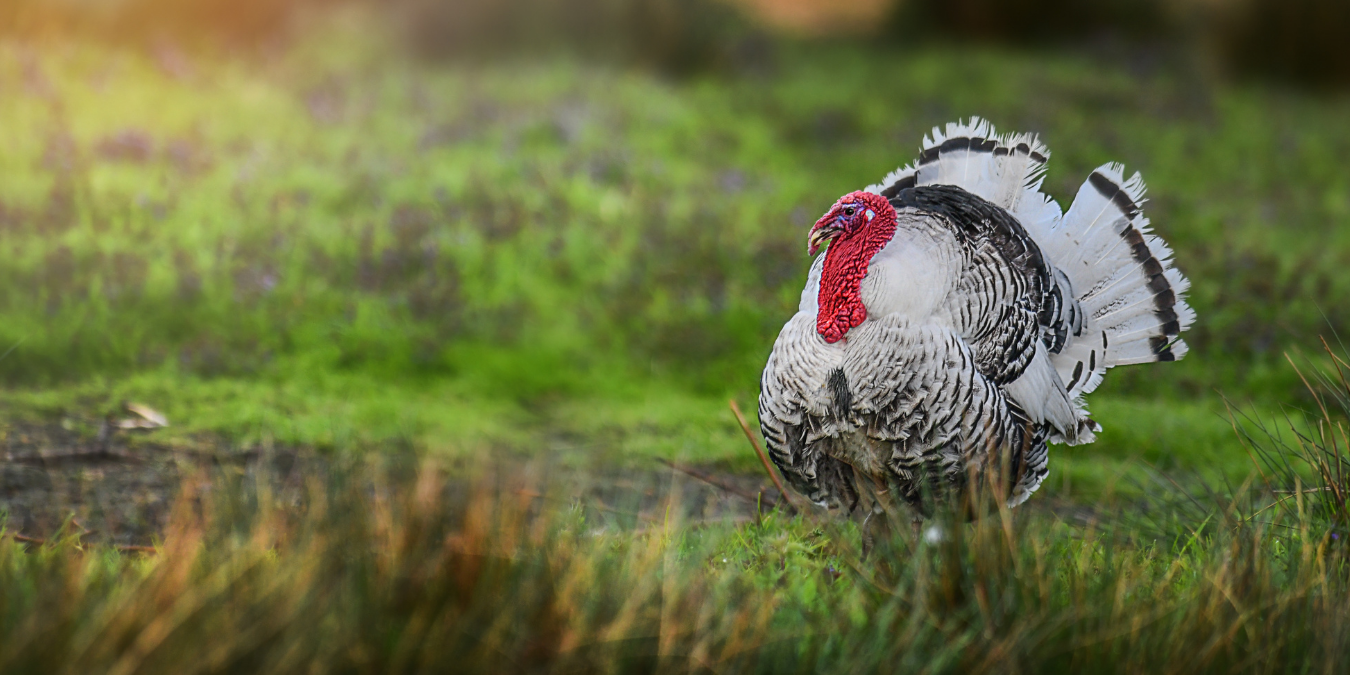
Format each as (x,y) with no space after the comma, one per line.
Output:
(968,338)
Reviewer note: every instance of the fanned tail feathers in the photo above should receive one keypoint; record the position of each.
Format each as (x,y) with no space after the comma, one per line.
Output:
(1121,274)
(1006,170)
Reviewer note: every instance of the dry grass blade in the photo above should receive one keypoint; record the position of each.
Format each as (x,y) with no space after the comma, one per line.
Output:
(1345,387)
(486,577)
(763,458)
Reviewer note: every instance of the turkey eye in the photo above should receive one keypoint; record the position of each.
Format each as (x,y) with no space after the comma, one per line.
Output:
(848,211)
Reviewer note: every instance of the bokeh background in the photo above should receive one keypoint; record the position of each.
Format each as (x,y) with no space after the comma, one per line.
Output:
(573,228)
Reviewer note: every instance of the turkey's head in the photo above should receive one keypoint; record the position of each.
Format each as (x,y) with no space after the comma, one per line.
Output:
(858,225)
(848,217)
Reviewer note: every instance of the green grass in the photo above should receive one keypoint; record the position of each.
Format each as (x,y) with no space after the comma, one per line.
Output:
(337,246)
(372,569)
(574,266)
(646,422)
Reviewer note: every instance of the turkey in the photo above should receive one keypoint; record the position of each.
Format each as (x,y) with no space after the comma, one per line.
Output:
(955,322)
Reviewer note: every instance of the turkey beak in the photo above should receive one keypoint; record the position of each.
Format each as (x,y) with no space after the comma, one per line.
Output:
(820,234)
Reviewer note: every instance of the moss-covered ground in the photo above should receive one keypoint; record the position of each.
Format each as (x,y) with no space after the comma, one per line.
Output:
(332,248)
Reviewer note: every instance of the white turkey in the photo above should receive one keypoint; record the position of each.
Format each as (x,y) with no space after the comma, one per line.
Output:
(955,322)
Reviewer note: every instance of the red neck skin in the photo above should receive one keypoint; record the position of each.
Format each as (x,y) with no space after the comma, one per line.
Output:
(839,300)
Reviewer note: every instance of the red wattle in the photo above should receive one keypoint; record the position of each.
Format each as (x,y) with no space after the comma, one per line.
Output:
(840,306)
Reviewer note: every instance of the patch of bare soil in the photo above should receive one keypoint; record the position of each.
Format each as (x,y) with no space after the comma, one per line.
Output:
(116,486)
(111,485)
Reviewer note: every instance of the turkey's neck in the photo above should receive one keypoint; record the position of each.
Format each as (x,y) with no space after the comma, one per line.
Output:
(839,303)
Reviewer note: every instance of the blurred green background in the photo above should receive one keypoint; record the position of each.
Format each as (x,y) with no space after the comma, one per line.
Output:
(575,226)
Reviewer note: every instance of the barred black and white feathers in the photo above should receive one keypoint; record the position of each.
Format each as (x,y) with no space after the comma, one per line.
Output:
(989,315)
(1125,284)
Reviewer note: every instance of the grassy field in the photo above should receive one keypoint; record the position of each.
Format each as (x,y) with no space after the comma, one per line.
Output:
(562,264)
(399,574)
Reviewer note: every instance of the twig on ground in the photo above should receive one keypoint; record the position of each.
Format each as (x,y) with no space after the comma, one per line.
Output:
(714,481)
(132,548)
(84,531)
(39,541)
(763,458)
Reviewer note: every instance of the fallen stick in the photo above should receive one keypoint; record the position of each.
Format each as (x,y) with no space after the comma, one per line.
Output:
(132,548)
(39,541)
(714,481)
(763,458)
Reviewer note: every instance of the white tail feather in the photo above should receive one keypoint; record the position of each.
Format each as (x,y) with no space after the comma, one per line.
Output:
(1004,170)
(1121,273)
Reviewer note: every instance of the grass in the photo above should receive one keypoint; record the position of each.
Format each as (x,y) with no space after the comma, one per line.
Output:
(326,245)
(382,568)
(571,267)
